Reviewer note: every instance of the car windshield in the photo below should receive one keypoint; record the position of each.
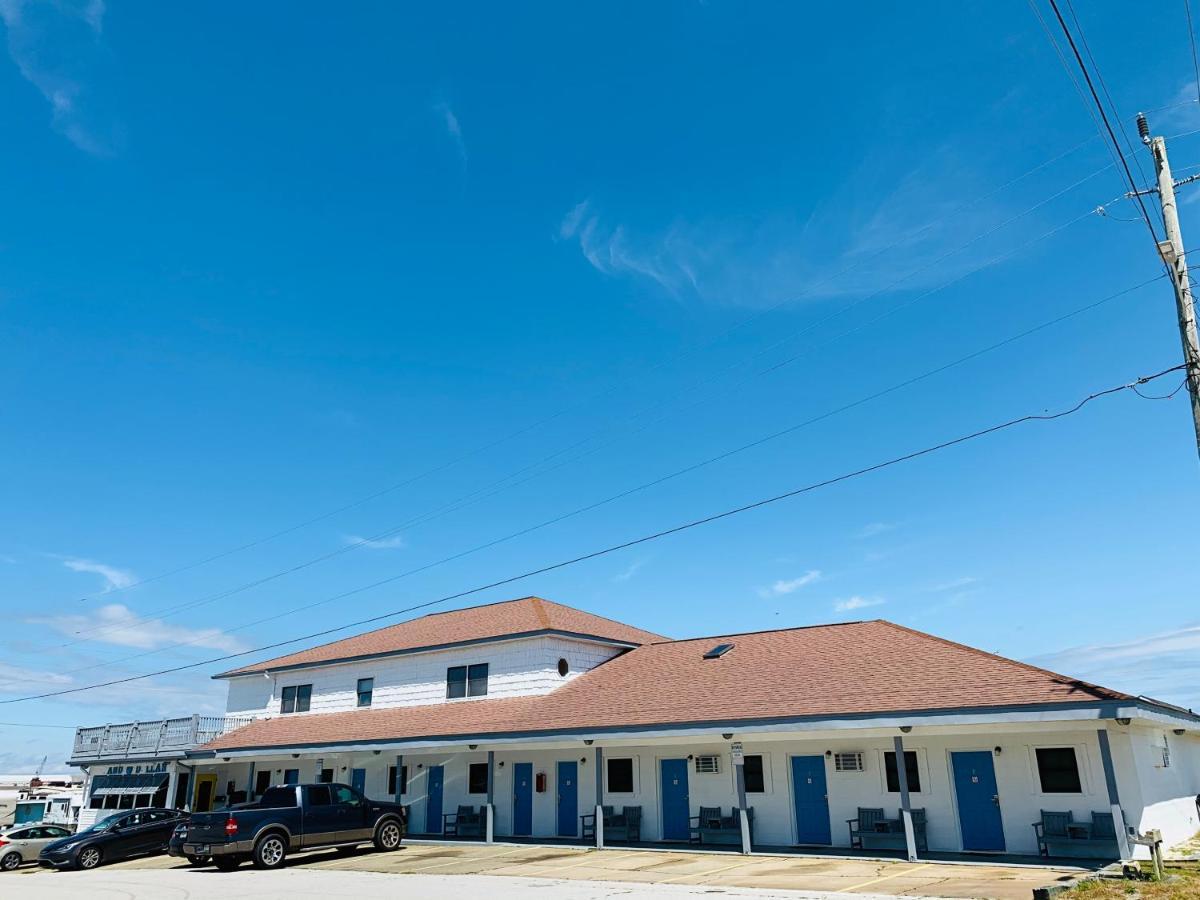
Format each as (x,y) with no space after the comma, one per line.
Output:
(106,823)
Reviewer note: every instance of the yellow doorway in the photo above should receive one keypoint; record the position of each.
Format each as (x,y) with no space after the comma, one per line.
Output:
(206,788)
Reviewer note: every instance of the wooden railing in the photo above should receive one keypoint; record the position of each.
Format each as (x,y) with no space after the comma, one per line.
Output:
(153,738)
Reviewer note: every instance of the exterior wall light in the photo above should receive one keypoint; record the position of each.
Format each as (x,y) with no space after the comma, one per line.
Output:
(1123,721)
(295,756)
(905,728)
(588,741)
(472,746)
(376,752)
(727,734)
(996,750)
(1180,731)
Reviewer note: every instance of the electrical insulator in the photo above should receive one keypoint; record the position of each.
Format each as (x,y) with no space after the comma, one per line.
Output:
(1143,129)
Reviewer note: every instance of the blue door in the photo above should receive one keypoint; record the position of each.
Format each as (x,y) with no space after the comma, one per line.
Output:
(568,799)
(978,800)
(433,800)
(358,780)
(673,779)
(291,776)
(811,797)
(523,799)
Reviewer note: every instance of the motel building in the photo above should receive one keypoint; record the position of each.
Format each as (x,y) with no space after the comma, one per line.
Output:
(524,719)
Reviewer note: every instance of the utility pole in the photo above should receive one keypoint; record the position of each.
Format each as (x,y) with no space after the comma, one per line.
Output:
(1173,254)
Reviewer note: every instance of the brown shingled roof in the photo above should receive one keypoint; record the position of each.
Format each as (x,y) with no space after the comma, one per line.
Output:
(493,620)
(830,670)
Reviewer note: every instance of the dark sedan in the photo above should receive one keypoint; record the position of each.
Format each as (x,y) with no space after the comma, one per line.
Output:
(131,832)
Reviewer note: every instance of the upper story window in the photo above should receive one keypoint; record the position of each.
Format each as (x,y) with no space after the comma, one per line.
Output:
(467,681)
(366,687)
(1058,770)
(296,698)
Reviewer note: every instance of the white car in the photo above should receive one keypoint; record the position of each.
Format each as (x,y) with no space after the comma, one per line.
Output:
(24,842)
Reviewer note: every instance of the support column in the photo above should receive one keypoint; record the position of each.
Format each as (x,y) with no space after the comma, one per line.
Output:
(1114,799)
(399,777)
(910,836)
(172,781)
(599,798)
(739,771)
(489,810)
(250,782)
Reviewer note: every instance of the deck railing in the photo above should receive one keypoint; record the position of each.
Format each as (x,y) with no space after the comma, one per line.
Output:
(160,737)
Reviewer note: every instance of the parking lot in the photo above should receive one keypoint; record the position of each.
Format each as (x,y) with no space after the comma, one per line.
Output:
(821,876)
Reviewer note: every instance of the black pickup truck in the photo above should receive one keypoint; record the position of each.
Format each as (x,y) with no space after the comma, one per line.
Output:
(291,819)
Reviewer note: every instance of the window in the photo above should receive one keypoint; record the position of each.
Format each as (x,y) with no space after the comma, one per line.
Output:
(477,678)
(366,687)
(391,784)
(752,775)
(708,765)
(718,651)
(467,681)
(345,796)
(563,668)
(295,698)
(910,768)
(326,776)
(620,776)
(848,761)
(291,776)
(477,778)
(319,795)
(262,781)
(1058,770)
(279,797)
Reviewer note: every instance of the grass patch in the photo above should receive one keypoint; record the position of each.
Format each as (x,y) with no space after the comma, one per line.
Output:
(1185,886)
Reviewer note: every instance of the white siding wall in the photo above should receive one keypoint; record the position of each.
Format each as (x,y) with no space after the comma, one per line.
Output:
(515,668)
(1166,795)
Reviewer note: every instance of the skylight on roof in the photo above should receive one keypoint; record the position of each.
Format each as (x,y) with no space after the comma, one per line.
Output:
(718,651)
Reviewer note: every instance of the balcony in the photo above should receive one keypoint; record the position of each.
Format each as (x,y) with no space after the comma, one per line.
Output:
(161,738)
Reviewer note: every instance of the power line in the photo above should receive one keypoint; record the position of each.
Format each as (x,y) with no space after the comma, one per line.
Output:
(649,484)
(1187,5)
(34,725)
(487,491)
(677,529)
(1108,128)
(967,204)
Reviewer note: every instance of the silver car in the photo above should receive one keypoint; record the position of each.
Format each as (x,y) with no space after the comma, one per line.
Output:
(24,842)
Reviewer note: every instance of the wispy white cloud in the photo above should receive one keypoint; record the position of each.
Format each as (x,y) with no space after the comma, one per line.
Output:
(118,624)
(790,585)
(954,584)
(51,43)
(1165,665)
(114,578)
(856,602)
(874,529)
(453,128)
(8,560)
(629,571)
(395,542)
(886,229)
(20,679)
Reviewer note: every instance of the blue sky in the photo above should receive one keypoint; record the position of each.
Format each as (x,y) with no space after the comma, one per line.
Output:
(258,262)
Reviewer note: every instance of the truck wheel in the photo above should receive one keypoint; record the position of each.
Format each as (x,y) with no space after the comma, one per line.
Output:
(226,863)
(89,858)
(269,852)
(10,861)
(387,836)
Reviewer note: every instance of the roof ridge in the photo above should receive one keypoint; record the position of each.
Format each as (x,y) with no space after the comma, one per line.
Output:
(734,634)
(1008,659)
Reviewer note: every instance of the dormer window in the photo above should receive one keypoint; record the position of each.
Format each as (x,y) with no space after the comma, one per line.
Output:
(467,681)
(366,688)
(295,698)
